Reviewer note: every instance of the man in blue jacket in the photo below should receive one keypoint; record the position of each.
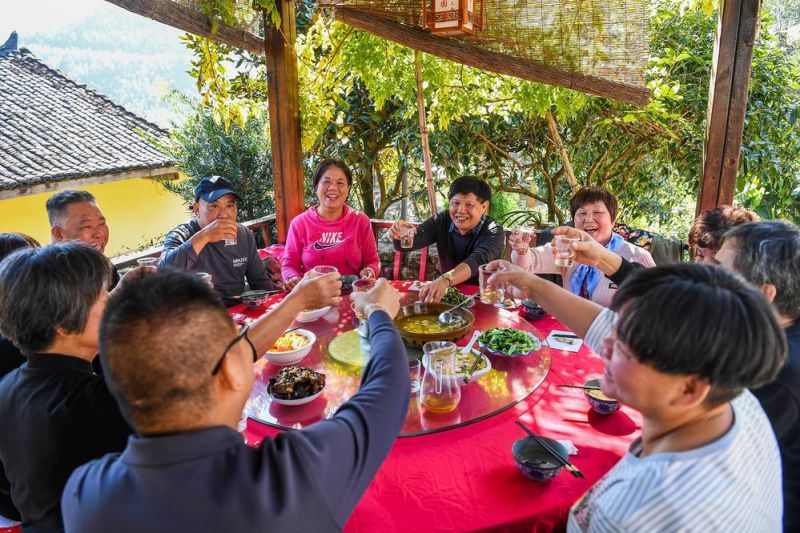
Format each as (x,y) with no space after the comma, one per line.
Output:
(182,374)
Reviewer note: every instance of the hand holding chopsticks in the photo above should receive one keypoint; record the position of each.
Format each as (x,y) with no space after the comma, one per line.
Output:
(569,466)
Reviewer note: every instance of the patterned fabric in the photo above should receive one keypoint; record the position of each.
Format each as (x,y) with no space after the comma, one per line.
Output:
(640,237)
(584,279)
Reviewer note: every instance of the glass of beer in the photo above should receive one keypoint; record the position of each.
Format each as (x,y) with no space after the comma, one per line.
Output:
(489,295)
(564,254)
(407,237)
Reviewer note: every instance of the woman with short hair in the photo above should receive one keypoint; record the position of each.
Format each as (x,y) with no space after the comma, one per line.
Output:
(331,232)
(594,211)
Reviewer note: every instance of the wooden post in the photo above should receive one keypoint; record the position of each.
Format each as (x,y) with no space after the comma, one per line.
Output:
(284,118)
(423,132)
(727,101)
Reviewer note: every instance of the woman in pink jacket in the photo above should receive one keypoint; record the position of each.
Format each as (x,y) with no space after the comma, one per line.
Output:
(330,233)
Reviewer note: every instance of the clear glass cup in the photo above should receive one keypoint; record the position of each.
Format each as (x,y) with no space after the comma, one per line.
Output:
(321,270)
(407,237)
(564,254)
(363,285)
(205,276)
(147,261)
(414,369)
(489,295)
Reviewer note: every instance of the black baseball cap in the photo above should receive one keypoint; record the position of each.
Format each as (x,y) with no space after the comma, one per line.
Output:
(212,188)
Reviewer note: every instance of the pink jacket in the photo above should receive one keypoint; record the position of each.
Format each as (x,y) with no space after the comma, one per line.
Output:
(346,243)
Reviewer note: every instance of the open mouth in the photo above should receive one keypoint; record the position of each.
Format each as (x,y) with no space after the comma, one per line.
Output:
(461,219)
(98,246)
(592,229)
(332,197)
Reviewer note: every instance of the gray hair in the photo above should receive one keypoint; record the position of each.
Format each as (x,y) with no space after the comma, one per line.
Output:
(769,252)
(43,289)
(58,203)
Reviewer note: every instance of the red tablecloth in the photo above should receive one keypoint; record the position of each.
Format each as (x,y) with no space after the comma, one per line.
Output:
(466,479)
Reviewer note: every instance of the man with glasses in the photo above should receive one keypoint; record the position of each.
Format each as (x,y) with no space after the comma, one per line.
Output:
(182,374)
(465,236)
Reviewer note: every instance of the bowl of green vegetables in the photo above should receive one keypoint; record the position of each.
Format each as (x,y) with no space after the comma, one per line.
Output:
(453,296)
(508,342)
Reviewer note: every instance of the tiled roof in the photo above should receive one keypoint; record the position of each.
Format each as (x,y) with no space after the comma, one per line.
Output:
(53,129)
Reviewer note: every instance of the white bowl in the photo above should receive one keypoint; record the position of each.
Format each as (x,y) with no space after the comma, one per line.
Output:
(310,316)
(293,356)
(299,401)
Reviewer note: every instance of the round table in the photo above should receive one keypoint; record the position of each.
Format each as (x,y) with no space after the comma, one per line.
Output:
(465,478)
(509,381)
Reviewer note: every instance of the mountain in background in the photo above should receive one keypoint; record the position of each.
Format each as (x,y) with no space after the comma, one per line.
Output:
(133,60)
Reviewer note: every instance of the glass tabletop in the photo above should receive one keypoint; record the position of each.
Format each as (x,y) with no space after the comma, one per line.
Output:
(340,353)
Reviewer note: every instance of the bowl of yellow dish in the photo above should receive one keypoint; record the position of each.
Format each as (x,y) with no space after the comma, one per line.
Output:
(291,348)
(600,402)
(418,323)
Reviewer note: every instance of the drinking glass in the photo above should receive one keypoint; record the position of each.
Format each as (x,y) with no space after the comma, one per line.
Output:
(321,270)
(489,295)
(363,285)
(407,237)
(414,369)
(147,261)
(564,254)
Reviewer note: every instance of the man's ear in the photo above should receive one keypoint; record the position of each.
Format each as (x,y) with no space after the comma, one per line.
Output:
(56,233)
(694,390)
(196,207)
(769,291)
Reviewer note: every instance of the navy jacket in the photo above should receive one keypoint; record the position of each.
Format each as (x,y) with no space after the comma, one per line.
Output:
(209,480)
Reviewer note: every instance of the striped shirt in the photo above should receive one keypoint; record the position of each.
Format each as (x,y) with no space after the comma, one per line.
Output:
(731,484)
(540,260)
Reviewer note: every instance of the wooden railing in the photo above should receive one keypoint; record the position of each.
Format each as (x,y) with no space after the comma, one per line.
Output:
(398,255)
(263,224)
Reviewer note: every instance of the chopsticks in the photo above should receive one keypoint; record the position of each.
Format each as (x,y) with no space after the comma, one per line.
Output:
(569,466)
(584,387)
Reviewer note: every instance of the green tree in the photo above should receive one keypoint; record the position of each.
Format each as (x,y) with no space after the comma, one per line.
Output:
(202,146)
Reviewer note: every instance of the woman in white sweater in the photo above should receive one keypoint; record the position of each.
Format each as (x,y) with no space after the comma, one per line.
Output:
(593,211)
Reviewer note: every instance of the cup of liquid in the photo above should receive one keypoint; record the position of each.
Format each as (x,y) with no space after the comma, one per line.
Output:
(147,261)
(489,295)
(407,237)
(564,252)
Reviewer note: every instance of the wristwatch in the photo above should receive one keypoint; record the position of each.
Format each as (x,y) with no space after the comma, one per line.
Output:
(451,280)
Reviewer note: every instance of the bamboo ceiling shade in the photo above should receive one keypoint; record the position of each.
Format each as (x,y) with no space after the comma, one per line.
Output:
(597,46)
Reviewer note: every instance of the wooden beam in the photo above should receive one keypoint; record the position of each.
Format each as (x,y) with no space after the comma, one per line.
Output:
(284,119)
(191,20)
(170,172)
(463,53)
(727,101)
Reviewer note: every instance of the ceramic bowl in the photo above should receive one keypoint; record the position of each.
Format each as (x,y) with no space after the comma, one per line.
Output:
(293,356)
(536,463)
(312,314)
(299,401)
(488,351)
(254,299)
(417,340)
(531,310)
(604,407)
(347,282)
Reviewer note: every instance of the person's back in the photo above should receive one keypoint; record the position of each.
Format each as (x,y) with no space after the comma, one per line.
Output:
(56,412)
(188,469)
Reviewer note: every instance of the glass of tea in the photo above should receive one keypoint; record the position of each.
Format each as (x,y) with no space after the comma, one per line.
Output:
(489,295)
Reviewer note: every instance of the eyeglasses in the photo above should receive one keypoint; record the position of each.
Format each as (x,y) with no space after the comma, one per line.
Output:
(242,335)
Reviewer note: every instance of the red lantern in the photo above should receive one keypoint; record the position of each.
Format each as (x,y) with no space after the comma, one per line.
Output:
(453,17)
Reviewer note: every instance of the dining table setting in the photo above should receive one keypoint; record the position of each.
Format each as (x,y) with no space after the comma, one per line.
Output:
(506,426)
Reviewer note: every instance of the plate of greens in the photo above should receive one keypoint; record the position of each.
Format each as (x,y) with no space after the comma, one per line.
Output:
(453,296)
(508,342)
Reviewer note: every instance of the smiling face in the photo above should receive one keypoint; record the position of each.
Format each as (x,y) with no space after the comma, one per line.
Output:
(225,208)
(332,189)
(82,222)
(595,219)
(466,211)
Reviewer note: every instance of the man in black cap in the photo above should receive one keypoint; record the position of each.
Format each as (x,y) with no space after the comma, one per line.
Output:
(213,242)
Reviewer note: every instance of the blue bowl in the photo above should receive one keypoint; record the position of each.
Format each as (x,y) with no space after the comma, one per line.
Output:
(536,463)
(347,282)
(604,407)
(531,310)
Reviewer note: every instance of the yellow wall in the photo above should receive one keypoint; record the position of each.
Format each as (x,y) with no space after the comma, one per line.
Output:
(137,210)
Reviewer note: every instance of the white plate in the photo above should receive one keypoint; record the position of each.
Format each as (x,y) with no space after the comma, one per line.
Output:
(293,356)
(310,316)
(299,401)
(461,375)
